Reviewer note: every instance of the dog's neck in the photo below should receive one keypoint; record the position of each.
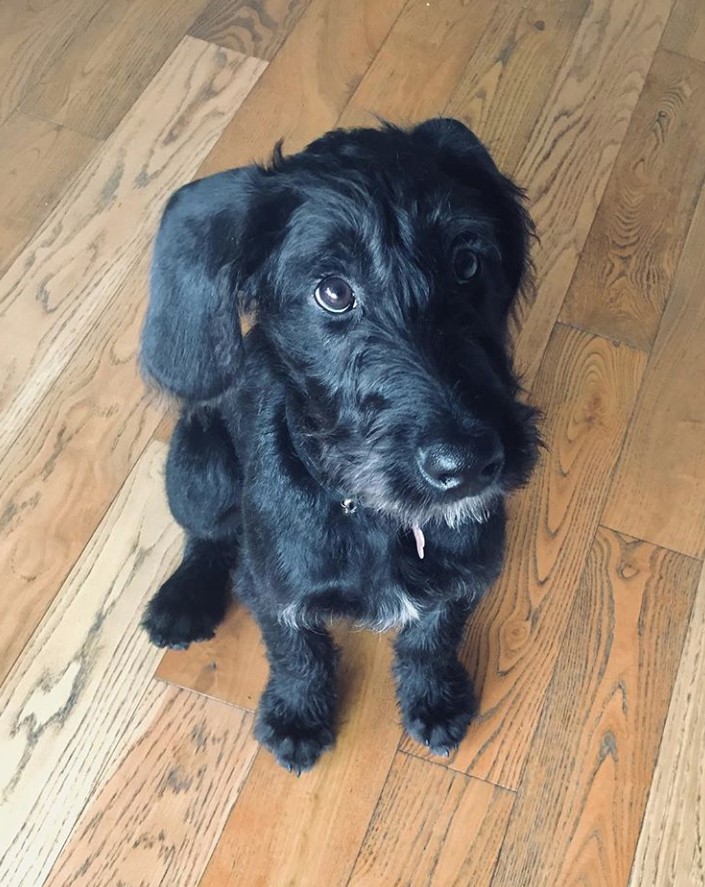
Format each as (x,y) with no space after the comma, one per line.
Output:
(347,503)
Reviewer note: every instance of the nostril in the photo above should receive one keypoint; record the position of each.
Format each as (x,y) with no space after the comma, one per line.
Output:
(490,471)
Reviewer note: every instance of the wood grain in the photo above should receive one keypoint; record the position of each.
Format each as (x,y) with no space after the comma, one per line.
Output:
(232,666)
(38,159)
(503,89)
(106,66)
(658,492)
(670,849)
(159,816)
(581,800)
(429,43)
(252,27)
(686,29)
(432,826)
(71,692)
(309,81)
(574,145)
(58,286)
(68,463)
(625,273)
(32,35)
(14,233)
(310,828)
(586,388)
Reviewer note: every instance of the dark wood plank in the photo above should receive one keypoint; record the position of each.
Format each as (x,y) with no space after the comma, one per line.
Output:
(574,145)
(658,493)
(626,270)
(686,29)
(433,826)
(252,27)
(504,87)
(32,36)
(107,65)
(587,388)
(429,44)
(38,159)
(158,817)
(308,83)
(307,830)
(581,800)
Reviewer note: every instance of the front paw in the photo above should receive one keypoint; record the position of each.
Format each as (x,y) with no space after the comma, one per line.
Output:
(438,707)
(297,735)
(178,615)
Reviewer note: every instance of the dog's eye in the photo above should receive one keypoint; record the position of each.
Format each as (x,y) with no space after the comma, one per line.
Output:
(465,263)
(335,295)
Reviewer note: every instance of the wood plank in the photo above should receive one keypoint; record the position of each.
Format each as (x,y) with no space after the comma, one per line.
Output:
(670,848)
(686,29)
(574,146)
(658,492)
(586,387)
(66,702)
(625,273)
(581,800)
(503,89)
(14,233)
(309,81)
(307,830)
(158,818)
(430,44)
(106,66)
(38,159)
(252,27)
(58,286)
(68,463)
(432,826)
(232,666)
(32,35)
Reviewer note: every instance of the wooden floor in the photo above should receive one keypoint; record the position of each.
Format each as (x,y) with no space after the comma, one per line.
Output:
(586,765)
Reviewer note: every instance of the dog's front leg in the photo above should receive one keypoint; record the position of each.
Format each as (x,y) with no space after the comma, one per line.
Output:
(434,691)
(296,715)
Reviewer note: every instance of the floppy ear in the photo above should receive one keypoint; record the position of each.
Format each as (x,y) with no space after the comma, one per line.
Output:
(463,157)
(191,341)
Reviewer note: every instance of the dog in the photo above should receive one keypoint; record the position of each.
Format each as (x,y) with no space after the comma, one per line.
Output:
(334,326)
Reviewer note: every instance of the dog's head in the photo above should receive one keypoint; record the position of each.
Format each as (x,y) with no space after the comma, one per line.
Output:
(382,266)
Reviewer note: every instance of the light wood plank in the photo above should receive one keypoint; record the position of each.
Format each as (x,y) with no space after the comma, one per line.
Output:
(574,146)
(32,35)
(158,818)
(68,463)
(686,29)
(670,849)
(66,702)
(586,388)
(252,27)
(38,159)
(232,666)
(581,800)
(503,89)
(658,492)
(59,285)
(14,233)
(433,827)
(309,81)
(430,44)
(106,66)
(625,273)
(309,829)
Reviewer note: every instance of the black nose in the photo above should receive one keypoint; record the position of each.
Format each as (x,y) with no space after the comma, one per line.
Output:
(467,467)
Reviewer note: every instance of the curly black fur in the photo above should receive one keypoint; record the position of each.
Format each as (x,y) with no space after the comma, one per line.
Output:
(312,453)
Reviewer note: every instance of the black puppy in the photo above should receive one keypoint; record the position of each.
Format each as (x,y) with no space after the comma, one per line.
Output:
(348,457)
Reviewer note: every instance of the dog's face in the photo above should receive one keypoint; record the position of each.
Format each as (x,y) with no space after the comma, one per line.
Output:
(382,266)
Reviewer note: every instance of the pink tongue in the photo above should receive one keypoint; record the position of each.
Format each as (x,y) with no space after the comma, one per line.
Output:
(420,540)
